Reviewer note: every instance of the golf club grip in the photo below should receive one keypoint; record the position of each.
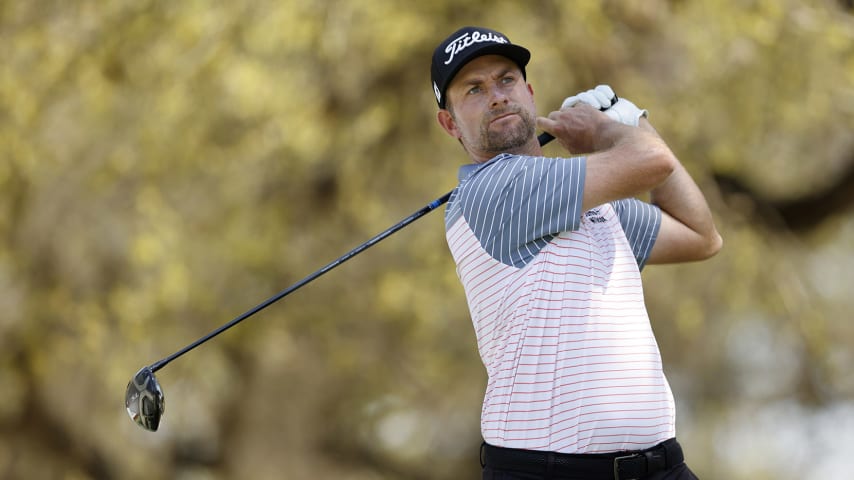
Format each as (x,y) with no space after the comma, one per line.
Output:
(545,138)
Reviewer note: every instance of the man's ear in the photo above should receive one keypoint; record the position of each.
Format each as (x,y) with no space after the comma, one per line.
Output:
(447,122)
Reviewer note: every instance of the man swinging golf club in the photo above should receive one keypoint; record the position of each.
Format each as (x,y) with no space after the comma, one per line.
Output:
(549,252)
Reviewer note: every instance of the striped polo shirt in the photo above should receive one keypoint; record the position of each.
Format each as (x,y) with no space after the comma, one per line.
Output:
(557,304)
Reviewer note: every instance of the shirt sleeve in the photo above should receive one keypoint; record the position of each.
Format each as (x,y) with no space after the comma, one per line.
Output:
(517,204)
(641,222)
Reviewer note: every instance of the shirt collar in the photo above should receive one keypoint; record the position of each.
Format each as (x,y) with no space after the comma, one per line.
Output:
(466,170)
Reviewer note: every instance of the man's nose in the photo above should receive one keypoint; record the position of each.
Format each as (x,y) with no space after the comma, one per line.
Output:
(498,97)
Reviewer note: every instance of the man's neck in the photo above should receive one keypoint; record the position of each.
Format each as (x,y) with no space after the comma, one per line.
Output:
(532,148)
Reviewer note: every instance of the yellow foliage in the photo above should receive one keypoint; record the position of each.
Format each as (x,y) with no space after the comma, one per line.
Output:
(165,166)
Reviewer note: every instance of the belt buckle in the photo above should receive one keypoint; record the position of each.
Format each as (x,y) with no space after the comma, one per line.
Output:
(617,465)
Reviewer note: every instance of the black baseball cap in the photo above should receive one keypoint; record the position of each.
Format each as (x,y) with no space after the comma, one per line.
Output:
(465,45)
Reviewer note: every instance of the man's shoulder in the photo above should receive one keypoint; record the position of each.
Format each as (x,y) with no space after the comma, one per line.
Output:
(509,162)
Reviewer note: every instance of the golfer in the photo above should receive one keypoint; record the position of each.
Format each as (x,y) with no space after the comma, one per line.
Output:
(549,252)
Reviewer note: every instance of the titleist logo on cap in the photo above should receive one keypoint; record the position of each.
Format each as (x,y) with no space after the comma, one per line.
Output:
(468,39)
(464,45)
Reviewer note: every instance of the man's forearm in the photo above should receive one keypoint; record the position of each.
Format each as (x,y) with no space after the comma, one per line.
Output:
(680,198)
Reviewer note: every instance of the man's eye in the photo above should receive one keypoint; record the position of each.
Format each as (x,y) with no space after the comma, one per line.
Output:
(508,80)
(474,90)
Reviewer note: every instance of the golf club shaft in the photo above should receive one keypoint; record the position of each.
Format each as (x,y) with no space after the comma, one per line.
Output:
(275,298)
(544,138)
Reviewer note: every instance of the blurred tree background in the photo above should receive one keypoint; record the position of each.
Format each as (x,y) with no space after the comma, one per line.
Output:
(167,165)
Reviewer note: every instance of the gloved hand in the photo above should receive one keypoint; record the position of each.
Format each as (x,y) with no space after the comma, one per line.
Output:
(604,98)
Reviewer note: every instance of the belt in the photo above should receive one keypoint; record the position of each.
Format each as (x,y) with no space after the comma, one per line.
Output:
(627,465)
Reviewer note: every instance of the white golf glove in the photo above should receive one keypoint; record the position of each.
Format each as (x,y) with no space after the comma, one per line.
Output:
(604,98)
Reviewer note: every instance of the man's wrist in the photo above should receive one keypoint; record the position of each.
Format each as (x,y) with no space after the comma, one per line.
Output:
(610,133)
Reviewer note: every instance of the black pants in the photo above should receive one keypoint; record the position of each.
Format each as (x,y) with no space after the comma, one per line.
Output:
(679,472)
(664,461)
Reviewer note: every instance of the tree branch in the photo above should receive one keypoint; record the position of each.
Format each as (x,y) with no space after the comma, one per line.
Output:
(799,215)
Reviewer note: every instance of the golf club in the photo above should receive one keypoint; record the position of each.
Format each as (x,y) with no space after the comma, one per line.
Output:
(144,399)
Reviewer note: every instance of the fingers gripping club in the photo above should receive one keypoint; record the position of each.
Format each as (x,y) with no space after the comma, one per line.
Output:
(601,97)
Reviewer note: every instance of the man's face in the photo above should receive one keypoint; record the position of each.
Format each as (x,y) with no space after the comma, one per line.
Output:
(490,107)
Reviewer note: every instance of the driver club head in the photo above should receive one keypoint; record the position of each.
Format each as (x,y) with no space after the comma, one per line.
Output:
(144,399)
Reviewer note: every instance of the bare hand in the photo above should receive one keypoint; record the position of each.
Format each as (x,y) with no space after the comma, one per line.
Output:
(576,128)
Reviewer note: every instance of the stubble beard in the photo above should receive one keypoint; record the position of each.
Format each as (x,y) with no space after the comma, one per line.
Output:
(518,135)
